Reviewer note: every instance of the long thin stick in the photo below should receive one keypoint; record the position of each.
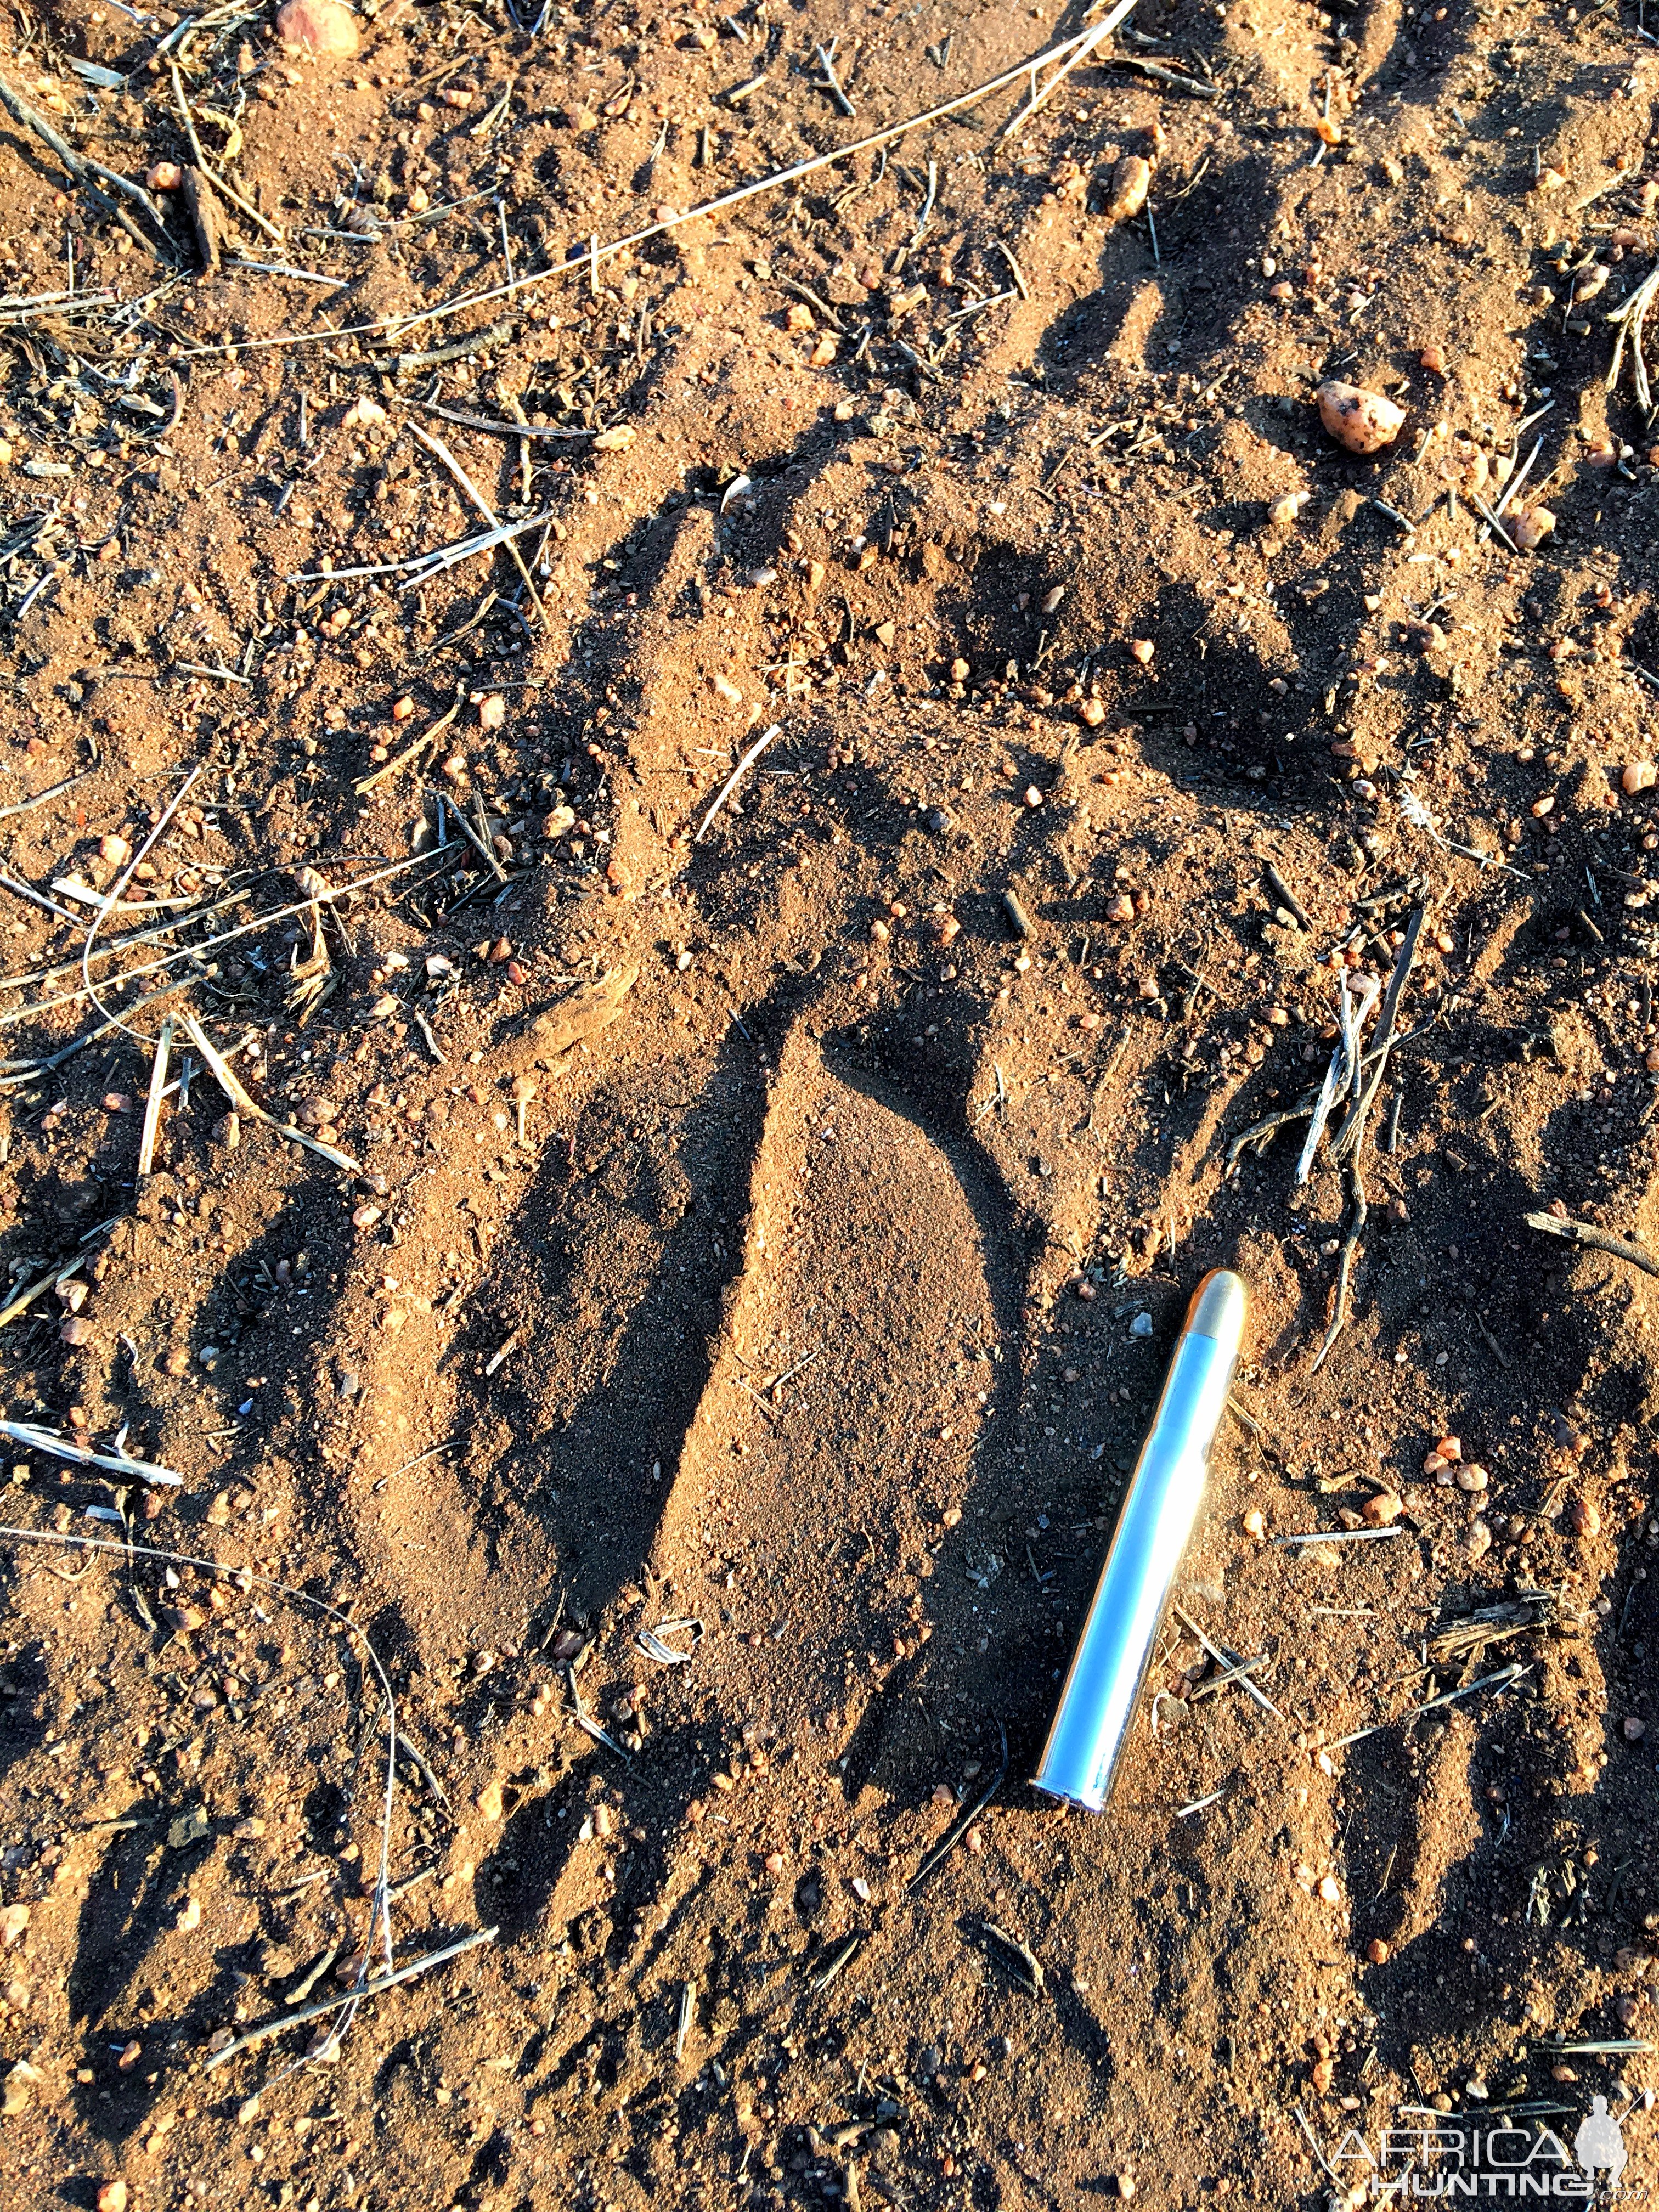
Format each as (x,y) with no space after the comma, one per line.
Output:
(1595,1240)
(436,446)
(239,1098)
(158,1077)
(932,1859)
(1087,38)
(736,777)
(392,1980)
(1519,478)
(1500,1680)
(1495,523)
(494,429)
(832,84)
(1346,1067)
(1195,88)
(1628,320)
(1222,1660)
(367,783)
(111,946)
(1350,1139)
(28,805)
(26,1297)
(43,1440)
(420,567)
(1350,1135)
(1359,1215)
(1086,45)
(37,898)
(115,890)
(209,172)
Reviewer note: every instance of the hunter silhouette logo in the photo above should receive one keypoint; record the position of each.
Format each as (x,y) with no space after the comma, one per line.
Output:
(1599,2145)
(1436,2155)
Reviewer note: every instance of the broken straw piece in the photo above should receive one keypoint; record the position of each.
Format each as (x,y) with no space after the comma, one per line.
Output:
(239,1098)
(56,1447)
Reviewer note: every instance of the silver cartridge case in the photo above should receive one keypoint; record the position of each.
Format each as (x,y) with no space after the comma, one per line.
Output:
(1080,1760)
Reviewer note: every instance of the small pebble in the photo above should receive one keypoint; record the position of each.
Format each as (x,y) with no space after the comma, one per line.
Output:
(1382,1510)
(1125,2184)
(1033,796)
(1329,1891)
(113,2196)
(1254,1524)
(1472,1477)
(1131,182)
(1142,650)
(1284,510)
(1361,421)
(1584,1518)
(1529,526)
(1377,1951)
(1635,1729)
(1640,775)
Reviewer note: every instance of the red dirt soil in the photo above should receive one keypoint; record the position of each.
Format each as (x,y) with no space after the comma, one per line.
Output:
(777,1223)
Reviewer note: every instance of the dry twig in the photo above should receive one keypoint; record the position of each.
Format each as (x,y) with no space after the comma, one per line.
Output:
(736,778)
(56,1447)
(394,1978)
(440,452)
(244,1103)
(1595,1240)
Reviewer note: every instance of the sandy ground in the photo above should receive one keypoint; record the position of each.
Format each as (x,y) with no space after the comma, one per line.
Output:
(773,1219)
